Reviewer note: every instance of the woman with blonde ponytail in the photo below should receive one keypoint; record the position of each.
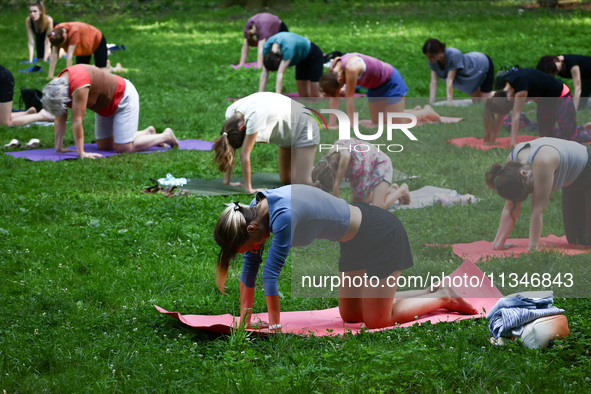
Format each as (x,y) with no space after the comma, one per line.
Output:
(540,167)
(268,118)
(373,242)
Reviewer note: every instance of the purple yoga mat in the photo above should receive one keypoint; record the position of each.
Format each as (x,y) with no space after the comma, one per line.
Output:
(50,154)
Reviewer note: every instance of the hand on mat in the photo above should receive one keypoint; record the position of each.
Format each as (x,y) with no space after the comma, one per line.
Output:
(88,155)
(509,245)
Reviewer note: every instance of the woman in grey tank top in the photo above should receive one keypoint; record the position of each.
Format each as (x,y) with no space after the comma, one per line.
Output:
(540,167)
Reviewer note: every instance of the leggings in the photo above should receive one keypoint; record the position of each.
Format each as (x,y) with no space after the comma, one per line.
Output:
(100,55)
(576,206)
(562,111)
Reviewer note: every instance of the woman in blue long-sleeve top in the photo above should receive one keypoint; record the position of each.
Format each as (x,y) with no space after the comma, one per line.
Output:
(373,242)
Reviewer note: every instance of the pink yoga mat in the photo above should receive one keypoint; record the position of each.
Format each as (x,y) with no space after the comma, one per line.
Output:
(329,322)
(478,143)
(482,250)
(50,154)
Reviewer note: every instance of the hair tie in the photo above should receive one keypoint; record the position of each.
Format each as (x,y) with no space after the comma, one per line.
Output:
(236,206)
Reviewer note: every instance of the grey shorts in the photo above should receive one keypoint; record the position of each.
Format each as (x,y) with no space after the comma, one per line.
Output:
(305,132)
(123,124)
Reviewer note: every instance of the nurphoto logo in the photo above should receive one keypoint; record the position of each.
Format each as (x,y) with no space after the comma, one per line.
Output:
(392,123)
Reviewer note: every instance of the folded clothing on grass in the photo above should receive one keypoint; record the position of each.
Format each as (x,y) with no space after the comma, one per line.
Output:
(429,195)
(52,155)
(483,249)
(328,321)
(478,143)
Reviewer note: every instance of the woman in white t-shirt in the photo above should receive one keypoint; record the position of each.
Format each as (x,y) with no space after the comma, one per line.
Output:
(269,118)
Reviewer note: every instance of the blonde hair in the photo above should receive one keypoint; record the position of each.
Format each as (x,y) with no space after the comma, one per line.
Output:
(230,139)
(230,234)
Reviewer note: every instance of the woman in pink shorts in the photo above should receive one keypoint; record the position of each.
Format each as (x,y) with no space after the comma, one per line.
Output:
(368,170)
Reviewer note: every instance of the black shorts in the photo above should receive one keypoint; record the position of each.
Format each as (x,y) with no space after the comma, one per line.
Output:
(489,80)
(310,69)
(6,85)
(100,55)
(380,246)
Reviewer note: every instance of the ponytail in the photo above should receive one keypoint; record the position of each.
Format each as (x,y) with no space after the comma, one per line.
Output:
(230,234)
(492,174)
(231,138)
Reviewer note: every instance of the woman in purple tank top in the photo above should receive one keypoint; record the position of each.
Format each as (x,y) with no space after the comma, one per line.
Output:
(386,87)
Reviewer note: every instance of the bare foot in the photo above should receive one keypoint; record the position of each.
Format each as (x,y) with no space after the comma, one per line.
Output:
(47,117)
(404,198)
(117,68)
(31,110)
(394,186)
(366,123)
(455,302)
(171,139)
(151,130)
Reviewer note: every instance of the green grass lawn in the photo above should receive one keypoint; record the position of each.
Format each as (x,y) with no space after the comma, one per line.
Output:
(84,255)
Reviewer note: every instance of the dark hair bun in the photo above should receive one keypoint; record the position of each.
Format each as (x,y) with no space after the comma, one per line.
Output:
(492,174)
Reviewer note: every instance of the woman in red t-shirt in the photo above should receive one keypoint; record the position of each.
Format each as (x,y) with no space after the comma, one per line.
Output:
(116,103)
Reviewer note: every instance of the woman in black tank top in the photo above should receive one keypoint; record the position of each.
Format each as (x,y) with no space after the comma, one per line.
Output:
(38,25)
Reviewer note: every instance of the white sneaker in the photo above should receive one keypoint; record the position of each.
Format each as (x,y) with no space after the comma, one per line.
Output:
(33,143)
(13,144)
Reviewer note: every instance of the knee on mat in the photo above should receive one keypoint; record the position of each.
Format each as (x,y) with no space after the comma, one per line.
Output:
(350,317)
(127,148)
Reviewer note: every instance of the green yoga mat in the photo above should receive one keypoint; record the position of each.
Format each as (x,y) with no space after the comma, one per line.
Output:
(216,187)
